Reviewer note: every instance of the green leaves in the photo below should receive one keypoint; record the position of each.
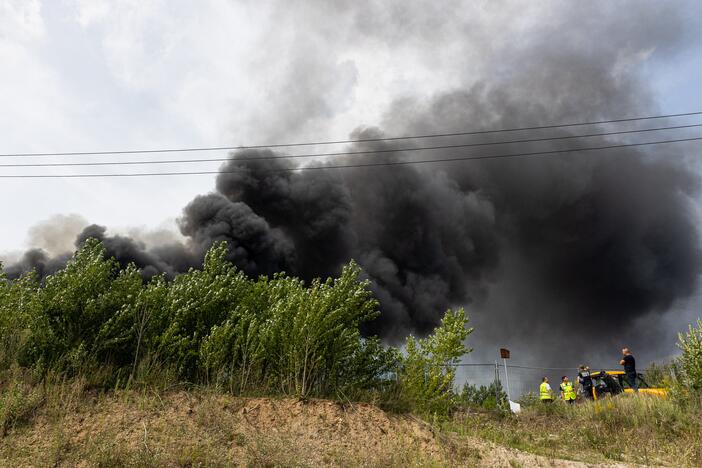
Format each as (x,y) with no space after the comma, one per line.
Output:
(217,326)
(211,325)
(74,304)
(428,370)
(487,397)
(285,337)
(18,308)
(196,302)
(691,360)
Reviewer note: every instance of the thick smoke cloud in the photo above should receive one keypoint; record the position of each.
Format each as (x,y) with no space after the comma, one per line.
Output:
(423,242)
(39,261)
(170,258)
(256,248)
(548,253)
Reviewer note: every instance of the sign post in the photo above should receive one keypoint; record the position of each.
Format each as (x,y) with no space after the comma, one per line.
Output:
(513,406)
(504,354)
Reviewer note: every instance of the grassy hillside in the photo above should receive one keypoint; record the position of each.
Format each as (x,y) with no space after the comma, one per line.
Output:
(627,428)
(201,428)
(101,367)
(216,327)
(64,423)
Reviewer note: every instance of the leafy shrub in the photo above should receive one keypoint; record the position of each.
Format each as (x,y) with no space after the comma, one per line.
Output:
(214,325)
(132,333)
(658,375)
(371,368)
(18,305)
(74,304)
(428,369)
(298,340)
(196,302)
(691,359)
(317,335)
(487,397)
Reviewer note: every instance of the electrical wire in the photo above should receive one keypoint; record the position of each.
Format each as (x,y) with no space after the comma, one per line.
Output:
(346,153)
(360,140)
(516,366)
(348,166)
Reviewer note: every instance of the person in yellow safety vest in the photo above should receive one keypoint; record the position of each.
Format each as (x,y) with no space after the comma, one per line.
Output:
(545,393)
(567,391)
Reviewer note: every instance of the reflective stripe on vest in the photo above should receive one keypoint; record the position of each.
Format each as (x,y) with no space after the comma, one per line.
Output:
(544,392)
(568,392)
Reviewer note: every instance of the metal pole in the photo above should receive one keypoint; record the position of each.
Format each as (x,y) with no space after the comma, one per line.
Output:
(497,384)
(507,380)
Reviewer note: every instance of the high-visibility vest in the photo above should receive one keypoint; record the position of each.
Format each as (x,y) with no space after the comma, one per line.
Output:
(544,392)
(568,392)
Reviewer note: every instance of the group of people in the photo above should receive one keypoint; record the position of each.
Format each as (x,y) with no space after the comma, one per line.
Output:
(585,381)
(567,391)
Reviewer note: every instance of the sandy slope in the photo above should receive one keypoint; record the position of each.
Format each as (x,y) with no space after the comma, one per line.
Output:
(205,429)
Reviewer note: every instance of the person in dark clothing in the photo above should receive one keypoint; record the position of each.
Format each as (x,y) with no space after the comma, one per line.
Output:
(585,381)
(629,364)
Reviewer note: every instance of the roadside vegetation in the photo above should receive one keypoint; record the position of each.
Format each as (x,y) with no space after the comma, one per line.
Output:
(632,429)
(217,327)
(96,339)
(637,429)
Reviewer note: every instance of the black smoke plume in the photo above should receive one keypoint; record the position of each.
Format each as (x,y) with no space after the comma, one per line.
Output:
(549,252)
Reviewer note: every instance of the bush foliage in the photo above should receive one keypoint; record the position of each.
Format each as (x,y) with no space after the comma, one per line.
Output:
(486,396)
(691,359)
(217,326)
(429,368)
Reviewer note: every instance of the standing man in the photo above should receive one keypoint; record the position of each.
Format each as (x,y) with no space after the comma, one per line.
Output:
(545,393)
(567,391)
(629,364)
(585,381)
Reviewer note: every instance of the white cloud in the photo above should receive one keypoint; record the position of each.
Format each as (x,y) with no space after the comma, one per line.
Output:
(89,12)
(20,21)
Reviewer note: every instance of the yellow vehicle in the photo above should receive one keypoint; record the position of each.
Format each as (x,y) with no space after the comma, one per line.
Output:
(612,382)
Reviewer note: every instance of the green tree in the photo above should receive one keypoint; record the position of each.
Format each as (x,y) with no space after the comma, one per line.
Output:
(18,305)
(196,302)
(285,337)
(234,352)
(317,332)
(487,397)
(429,367)
(132,332)
(691,359)
(270,335)
(74,303)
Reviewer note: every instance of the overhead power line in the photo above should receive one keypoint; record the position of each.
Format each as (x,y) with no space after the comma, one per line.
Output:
(516,366)
(348,166)
(360,140)
(346,153)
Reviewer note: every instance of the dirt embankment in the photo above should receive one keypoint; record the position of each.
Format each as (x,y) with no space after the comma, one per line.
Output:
(206,429)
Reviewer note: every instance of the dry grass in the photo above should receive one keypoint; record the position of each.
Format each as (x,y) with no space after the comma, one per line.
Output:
(72,427)
(628,428)
(60,423)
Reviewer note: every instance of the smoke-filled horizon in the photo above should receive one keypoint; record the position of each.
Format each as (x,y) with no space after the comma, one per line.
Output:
(549,254)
